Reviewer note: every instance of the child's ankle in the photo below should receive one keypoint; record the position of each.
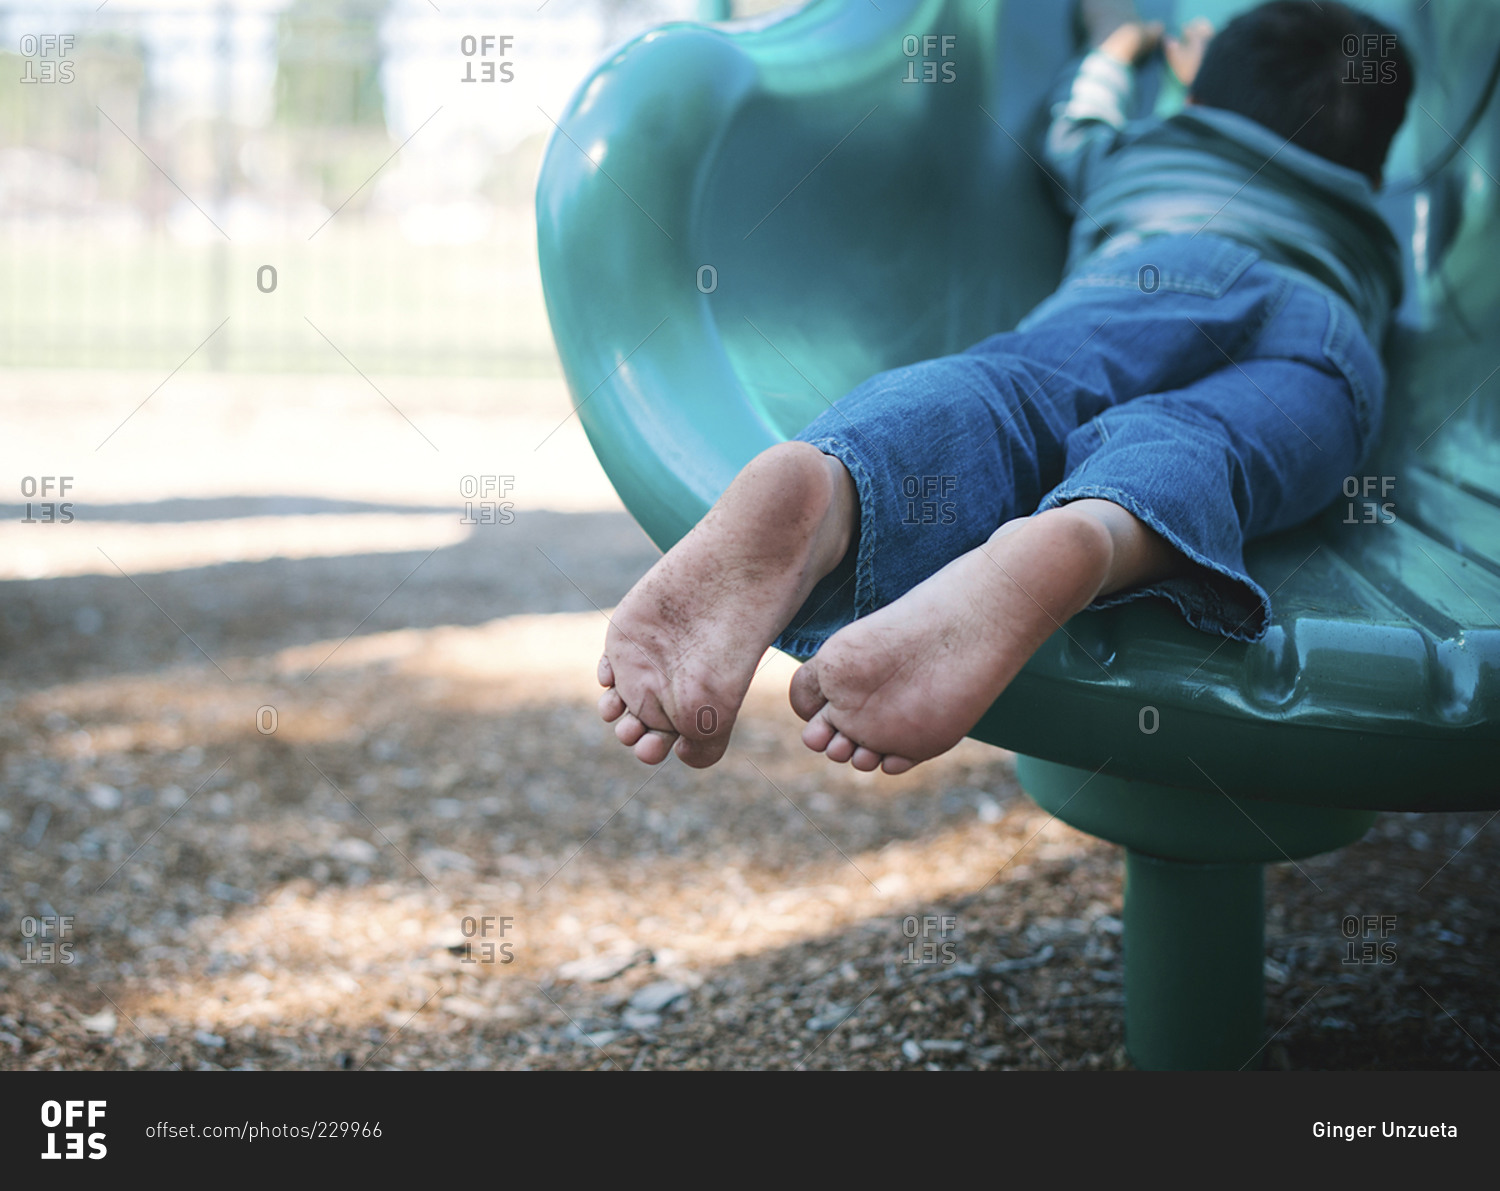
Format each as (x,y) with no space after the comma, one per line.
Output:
(1136,553)
(1066,552)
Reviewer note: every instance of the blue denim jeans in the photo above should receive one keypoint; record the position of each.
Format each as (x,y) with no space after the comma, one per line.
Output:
(1216,396)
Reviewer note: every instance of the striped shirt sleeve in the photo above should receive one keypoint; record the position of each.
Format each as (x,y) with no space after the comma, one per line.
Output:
(1087,122)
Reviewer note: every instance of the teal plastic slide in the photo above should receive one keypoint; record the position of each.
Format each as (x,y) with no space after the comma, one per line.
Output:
(740,221)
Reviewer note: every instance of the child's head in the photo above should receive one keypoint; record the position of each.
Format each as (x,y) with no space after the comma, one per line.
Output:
(1323,75)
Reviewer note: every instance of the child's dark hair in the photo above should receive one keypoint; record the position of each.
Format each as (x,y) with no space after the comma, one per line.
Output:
(1325,76)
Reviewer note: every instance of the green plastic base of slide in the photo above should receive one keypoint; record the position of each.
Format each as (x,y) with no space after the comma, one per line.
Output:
(1194,904)
(1194,989)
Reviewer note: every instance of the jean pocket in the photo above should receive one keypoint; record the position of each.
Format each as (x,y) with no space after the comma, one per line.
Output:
(1203,265)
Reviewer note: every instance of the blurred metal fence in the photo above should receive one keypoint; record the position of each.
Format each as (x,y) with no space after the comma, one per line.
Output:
(284,184)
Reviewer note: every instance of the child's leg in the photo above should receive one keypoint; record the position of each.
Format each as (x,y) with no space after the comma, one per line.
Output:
(918,466)
(683,645)
(1161,494)
(933,457)
(908,682)
(945,451)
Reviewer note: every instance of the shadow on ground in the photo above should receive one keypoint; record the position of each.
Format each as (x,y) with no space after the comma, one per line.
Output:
(91,625)
(421,849)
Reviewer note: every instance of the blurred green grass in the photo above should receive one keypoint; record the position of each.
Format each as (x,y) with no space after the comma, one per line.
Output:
(73,296)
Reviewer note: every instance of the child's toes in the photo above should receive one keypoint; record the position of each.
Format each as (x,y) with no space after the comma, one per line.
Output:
(700,754)
(895,765)
(606,671)
(818,733)
(629,729)
(865,760)
(840,748)
(805,693)
(611,706)
(653,747)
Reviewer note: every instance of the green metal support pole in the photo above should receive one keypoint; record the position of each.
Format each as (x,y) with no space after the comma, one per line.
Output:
(1194,948)
(1194,903)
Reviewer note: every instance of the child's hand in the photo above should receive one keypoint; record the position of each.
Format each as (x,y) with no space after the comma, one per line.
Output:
(1185,55)
(1132,41)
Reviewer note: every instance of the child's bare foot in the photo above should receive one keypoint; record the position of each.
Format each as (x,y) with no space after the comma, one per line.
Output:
(908,682)
(683,645)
